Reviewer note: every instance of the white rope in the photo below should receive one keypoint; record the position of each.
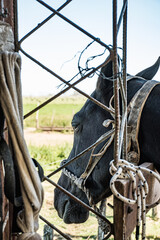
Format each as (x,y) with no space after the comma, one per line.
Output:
(126,170)
(11,102)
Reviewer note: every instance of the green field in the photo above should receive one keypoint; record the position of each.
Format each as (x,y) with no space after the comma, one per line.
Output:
(49,157)
(58,113)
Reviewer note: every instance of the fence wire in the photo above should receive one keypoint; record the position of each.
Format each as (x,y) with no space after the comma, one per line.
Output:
(84,73)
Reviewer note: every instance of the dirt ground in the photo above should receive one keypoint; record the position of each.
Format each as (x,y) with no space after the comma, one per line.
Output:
(46,138)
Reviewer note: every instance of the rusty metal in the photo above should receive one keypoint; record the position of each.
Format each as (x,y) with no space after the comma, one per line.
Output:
(124,77)
(122,14)
(79,201)
(75,25)
(113,56)
(116,85)
(81,154)
(15,8)
(43,22)
(55,228)
(67,83)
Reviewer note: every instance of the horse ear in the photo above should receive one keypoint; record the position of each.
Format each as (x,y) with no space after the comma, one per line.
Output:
(150,72)
(105,78)
(107,70)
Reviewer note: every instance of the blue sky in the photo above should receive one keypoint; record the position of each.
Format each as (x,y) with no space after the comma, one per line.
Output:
(57,44)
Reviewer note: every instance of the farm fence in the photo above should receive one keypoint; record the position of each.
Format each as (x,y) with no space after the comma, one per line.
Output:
(112,51)
(112,55)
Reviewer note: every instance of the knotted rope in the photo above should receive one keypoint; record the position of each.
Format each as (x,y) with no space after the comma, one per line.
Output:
(123,169)
(126,170)
(11,102)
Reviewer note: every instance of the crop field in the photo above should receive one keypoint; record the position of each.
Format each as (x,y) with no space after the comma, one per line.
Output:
(58,113)
(49,155)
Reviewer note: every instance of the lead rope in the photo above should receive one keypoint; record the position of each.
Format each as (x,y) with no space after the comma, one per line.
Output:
(123,168)
(31,188)
(127,170)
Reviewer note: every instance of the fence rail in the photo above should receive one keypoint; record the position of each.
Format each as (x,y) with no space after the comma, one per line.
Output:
(112,55)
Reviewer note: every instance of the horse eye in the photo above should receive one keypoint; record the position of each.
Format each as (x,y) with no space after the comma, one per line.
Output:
(76,124)
(76,128)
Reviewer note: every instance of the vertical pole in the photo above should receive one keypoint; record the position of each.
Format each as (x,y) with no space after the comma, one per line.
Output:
(8,8)
(116,85)
(37,118)
(124,76)
(8,14)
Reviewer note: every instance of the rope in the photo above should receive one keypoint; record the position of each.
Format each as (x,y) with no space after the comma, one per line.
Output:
(11,102)
(126,170)
(123,169)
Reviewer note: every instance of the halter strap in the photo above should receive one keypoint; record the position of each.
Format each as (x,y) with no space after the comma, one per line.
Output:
(135,109)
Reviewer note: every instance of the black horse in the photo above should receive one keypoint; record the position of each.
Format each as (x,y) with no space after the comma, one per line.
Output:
(87,125)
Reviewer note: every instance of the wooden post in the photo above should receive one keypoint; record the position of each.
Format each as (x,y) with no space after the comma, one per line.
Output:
(125,215)
(52,119)
(37,118)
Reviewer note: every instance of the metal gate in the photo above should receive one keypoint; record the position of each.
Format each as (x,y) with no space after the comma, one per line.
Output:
(112,54)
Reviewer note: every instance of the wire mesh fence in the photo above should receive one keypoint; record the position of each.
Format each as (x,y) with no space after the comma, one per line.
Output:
(84,72)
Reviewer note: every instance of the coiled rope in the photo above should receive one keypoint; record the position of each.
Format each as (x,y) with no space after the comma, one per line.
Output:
(123,169)
(11,102)
(126,170)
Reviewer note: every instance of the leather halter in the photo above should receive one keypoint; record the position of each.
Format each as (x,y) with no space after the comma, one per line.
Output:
(135,108)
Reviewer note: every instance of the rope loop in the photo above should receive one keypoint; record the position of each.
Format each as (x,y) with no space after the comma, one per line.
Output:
(126,170)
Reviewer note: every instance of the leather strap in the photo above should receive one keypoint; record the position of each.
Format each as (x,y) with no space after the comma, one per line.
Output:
(135,109)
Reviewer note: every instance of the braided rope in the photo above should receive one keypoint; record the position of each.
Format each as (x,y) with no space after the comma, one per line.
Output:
(11,103)
(124,169)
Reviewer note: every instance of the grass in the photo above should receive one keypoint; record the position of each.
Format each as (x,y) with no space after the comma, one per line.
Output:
(58,113)
(50,157)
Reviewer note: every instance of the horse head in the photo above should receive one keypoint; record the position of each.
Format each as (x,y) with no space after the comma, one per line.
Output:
(88,127)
